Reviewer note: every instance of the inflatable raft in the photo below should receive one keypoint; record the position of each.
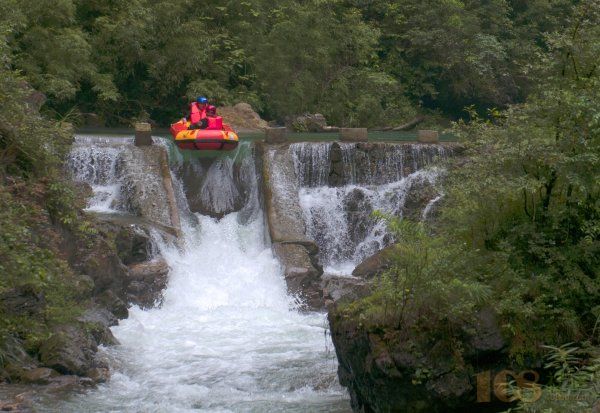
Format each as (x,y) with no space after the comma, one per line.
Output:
(214,135)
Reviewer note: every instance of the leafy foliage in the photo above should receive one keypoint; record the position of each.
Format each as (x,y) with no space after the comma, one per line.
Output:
(359,63)
(519,231)
(575,386)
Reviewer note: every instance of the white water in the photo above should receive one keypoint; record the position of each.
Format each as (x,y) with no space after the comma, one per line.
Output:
(96,165)
(346,237)
(227,338)
(339,218)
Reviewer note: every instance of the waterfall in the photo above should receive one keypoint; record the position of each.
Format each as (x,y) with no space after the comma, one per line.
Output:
(94,160)
(227,337)
(342,184)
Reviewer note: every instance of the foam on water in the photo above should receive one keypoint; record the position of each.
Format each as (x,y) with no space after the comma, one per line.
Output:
(339,218)
(227,338)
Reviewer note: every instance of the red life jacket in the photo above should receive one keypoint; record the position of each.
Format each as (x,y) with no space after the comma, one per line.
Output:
(196,112)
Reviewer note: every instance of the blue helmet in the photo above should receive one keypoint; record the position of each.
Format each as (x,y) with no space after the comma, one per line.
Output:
(202,100)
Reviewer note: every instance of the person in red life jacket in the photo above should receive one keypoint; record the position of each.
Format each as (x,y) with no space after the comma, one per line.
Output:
(211,111)
(198,113)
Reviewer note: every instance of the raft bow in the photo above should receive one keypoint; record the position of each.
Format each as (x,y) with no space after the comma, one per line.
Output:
(216,136)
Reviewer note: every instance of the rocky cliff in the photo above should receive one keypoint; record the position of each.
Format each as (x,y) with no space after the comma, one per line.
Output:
(110,261)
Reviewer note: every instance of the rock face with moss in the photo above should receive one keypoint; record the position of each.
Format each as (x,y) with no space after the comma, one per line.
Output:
(53,326)
(391,369)
(69,275)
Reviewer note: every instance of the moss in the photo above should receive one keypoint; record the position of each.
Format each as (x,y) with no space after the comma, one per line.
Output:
(30,257)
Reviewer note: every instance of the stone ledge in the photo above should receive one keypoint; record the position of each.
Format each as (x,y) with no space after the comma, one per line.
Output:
(354,135)
(276,135)
(143,134)
(428,136)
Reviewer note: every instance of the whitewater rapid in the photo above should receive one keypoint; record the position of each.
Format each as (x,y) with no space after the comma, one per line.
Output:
(227,338)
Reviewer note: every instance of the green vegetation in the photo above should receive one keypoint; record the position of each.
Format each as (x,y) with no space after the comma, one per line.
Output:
(360,63)
(574,387)
(519,231)
(36,204)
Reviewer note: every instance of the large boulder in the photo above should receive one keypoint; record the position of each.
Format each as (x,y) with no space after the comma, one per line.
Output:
(308,122)
(147,281)
(146,187)
(134,244)
(391,368)
(69,350)
(302,273)
(344,289)
(242,117)
(375,265)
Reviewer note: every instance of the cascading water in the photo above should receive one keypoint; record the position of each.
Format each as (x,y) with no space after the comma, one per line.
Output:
(227,337)
(94,160)
(341,186)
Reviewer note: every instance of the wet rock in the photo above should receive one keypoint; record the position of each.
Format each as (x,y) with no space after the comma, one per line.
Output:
(358,209)
(284,215)
(12,372)
(98,262)
(375,265)
(336,167)
(20,404)
(218,192)
(41,375)
(70,350)
(380,371)
(344,289)
(102,334)
(23,300)
(420,194)
(148,280)
(15,359)
(65,382)
(98,321)
(100,315)
(117,306)
(409,368)
(99,375)
(144,192)
(303,278)
(133,245)
(377,163)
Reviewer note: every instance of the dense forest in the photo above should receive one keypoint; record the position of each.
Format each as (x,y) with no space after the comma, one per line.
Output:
(360,63)
(519,227)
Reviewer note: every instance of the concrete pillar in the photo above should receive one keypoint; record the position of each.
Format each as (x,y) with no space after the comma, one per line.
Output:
(143,134)
(276,135)
(428,136)
(354,135)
